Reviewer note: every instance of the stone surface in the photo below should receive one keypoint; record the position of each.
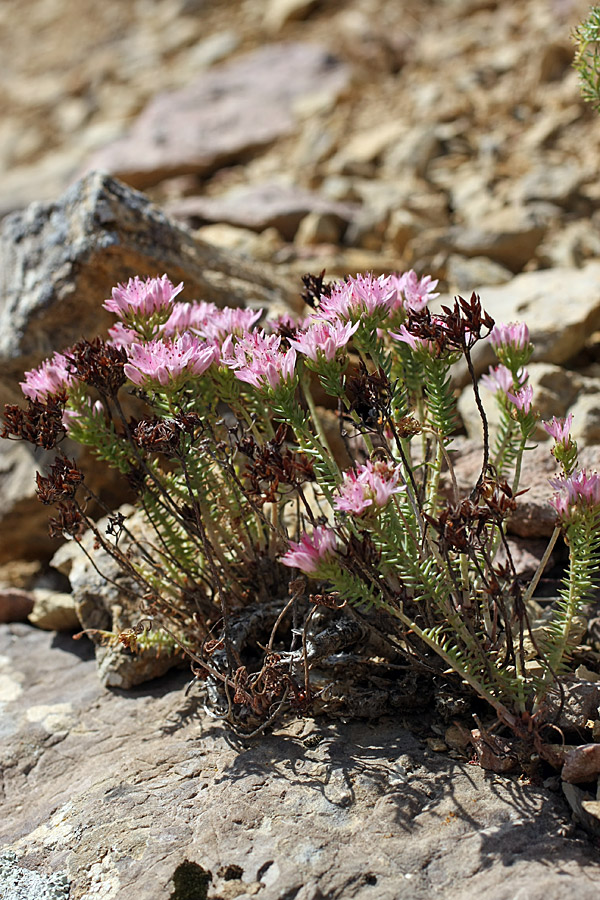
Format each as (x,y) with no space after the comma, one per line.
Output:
(53,610)
(279,12)
(104,600)
(260,206)
(123,789)
(582,764)
(15,604)
(23,519)
(560,306)
(555,392)
(224,116)
(58,262)
(508,237)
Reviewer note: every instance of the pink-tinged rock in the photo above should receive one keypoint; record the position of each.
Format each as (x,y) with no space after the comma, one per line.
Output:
(582,764)
(259,206)
(227,114)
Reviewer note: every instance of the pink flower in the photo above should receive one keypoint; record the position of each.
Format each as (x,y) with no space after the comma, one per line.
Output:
(143,298)
(360,296)
(166,362)
(417,343)
(559,429)
(500,378)
(417,291)
(229,320)
(404,335)
(581,489)
(121,336)
(324,339)
(310,551)
(370,485)
(188,316)
(514,335)
(257,359)
(523,398)
(51,377)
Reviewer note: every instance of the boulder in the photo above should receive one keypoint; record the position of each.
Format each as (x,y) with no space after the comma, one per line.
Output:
(59,261)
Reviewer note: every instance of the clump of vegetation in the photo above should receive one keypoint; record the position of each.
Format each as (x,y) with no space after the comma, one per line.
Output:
(303,529)
(587,56)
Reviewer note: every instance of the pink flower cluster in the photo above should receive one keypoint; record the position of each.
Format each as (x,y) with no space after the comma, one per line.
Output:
(369,485)
(515,335)
(581,489)
(142,298)
(500,378)
(168,361)
(354,298)
(309,552)
(256,358)
(523,398)
(416,291)
(324,339)
(51,377)
(559,429)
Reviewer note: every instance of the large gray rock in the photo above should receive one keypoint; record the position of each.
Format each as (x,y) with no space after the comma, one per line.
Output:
(59,261)
(227,114)
(128,794)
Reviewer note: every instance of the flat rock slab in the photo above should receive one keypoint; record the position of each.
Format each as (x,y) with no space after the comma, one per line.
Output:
(260,206)
(227,114)
(124,791)
(59,261)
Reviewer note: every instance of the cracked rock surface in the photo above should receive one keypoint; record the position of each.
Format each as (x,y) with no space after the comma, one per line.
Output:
(132,793)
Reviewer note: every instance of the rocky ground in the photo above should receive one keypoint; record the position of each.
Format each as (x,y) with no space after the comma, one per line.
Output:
(285,136)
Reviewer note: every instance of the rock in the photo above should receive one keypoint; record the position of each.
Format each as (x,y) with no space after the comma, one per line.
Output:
(318,228)
(402,227)
(23,519)
(554,391)
(54,611)
(17,883)
(466,275)
(413,151)
(103,602)
(19,573)
(260,206)
(242,240)
(279,12)
(581,702)
(586,415)
(364,149)
(560,306)
(582,764)
(534,516)
(212,49)
(555,58)
(229,113)
(570,246)
(367,229)
(155,789)
(509,237)
(554,184)
(586,810)
(15,604)
(58,262)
